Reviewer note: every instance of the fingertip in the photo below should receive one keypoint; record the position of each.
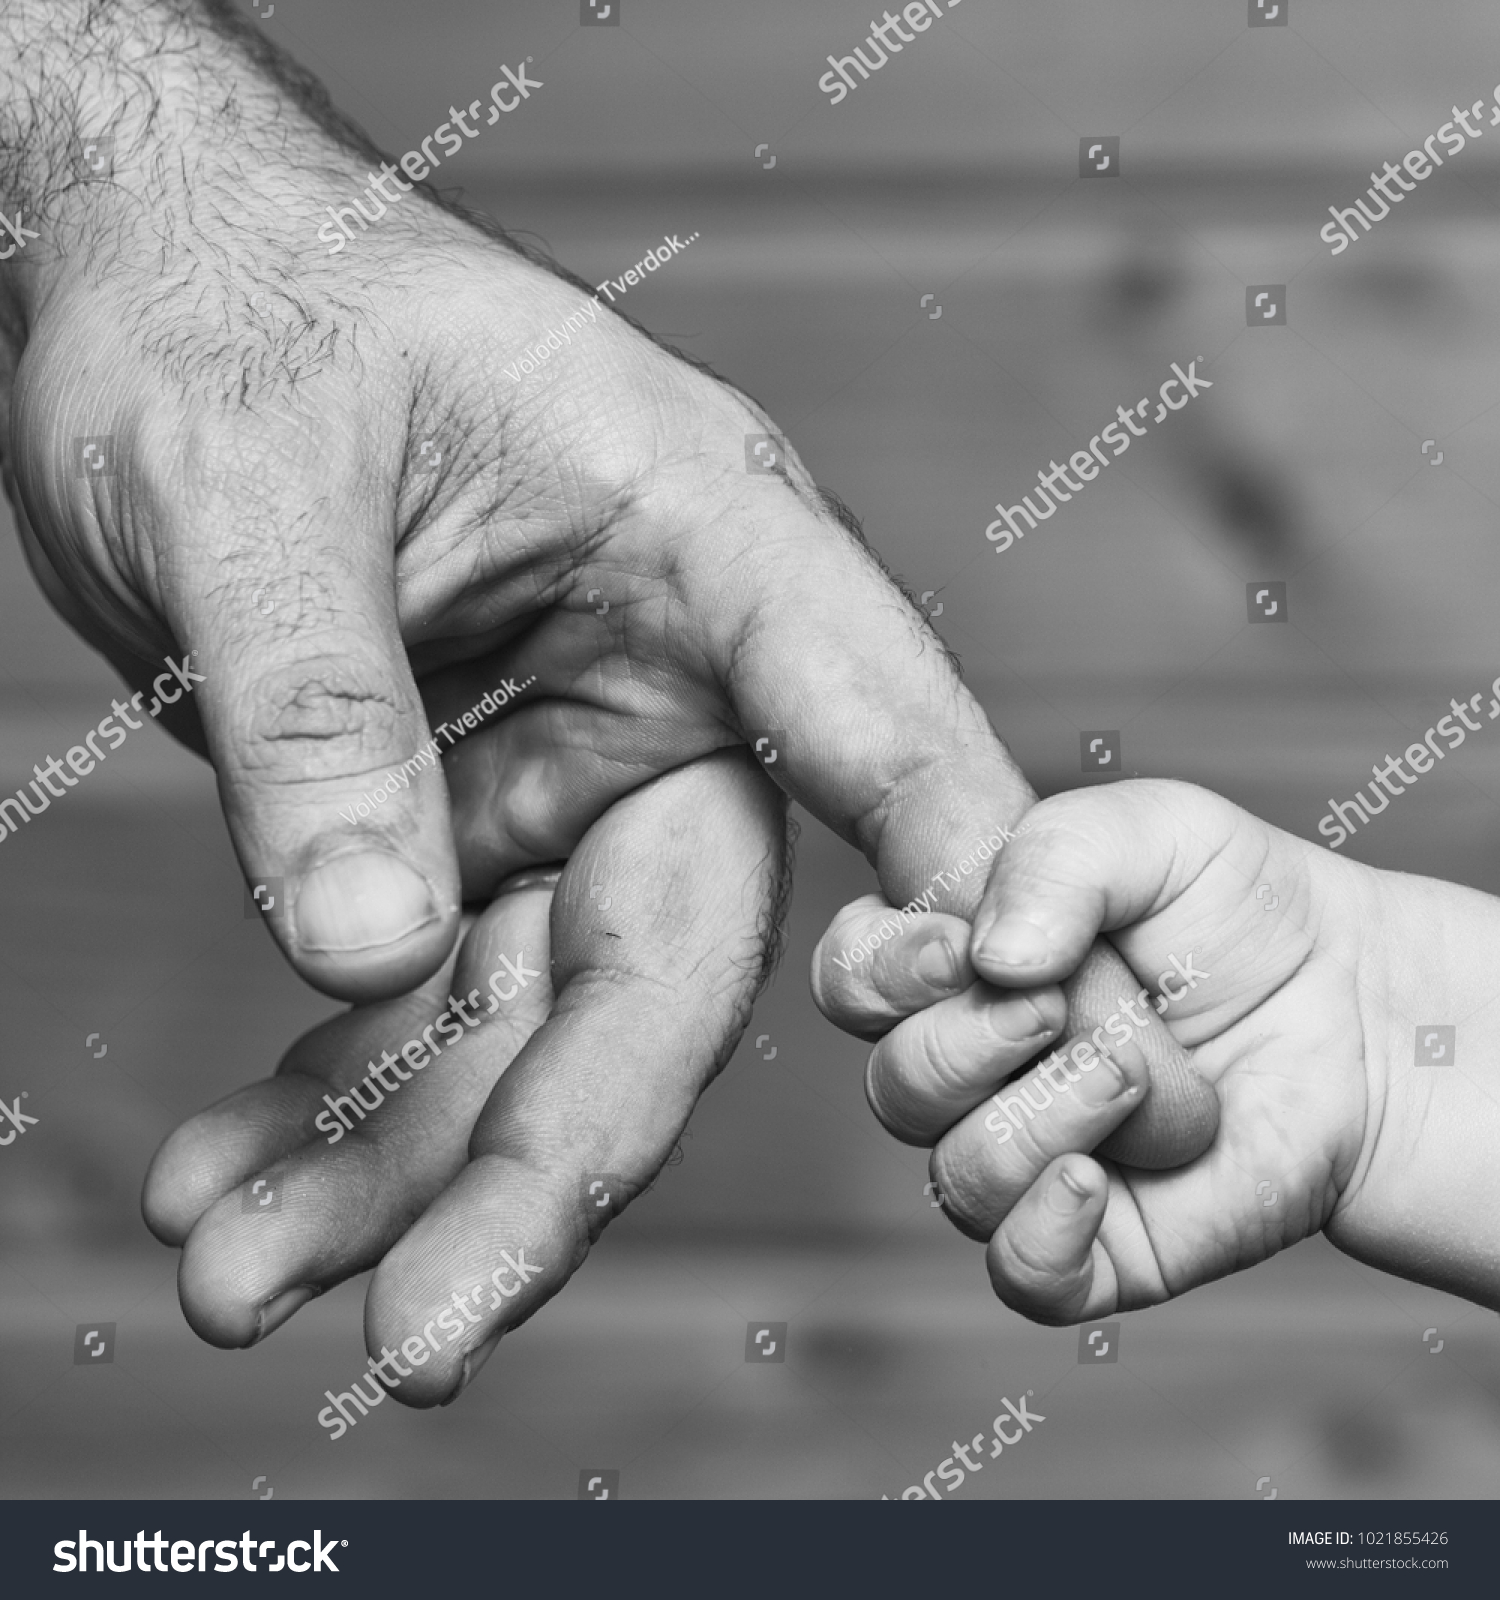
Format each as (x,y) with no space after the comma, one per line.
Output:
(1050,1006)
(1014,950)
(281,1308)
(877,964)
(473,1362)
(1074,1185)
(213,1152)
(221,1316)
(942,965)
(1041,1257)
(368,925)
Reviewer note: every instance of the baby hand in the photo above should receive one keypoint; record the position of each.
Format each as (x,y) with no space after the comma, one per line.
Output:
(1295,980)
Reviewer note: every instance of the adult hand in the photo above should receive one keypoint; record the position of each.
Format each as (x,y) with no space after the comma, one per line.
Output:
(269,510)
(492,1144)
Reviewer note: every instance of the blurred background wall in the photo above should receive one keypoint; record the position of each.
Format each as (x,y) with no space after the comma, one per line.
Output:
(952,173)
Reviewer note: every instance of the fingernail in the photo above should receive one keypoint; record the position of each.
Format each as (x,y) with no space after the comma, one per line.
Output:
(361,902)
(1014,942)
(1067,1196)
(279,1308)
(937,964)
(542,877)
(475,1359)
(1123,1066)
(1041,1022)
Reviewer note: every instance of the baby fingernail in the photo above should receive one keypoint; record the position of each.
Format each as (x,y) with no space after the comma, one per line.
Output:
(361,902)
(1126,1065)
(1120,1071)
(475,1359)
(1014,942)
(279,1308)
(937,964)
(1067,1196)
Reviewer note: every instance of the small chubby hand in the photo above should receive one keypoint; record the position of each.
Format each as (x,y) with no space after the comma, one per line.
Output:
(1301,1018)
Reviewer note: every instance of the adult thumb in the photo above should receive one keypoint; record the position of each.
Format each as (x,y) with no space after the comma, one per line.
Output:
(330,778)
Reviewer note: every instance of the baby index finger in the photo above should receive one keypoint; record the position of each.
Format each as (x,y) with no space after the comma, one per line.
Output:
(934,1067)
(878,964)
(1069,1102)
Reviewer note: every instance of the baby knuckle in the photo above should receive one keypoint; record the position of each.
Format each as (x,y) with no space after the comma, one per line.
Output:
(946,1065)
(969,1197)
(1025,1279)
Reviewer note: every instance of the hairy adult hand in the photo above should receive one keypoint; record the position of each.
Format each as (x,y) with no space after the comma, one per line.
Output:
(323,485)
